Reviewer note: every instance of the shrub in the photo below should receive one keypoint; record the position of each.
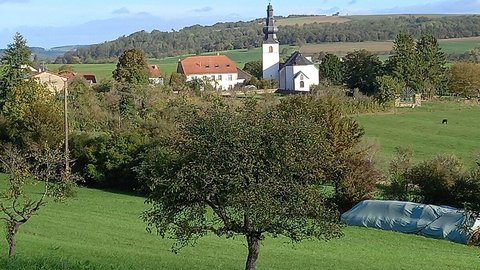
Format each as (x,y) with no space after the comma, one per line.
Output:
(399,187)
(436,178)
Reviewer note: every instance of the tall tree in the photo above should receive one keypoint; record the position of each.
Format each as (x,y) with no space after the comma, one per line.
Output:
(430,65)
(15,61)
(403,63)
(361,70)
(258,169)
(331,68)
(254,68)
(132,68)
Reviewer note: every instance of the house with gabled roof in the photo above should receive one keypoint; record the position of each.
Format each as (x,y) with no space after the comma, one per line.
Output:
(155,75)
(219,70)
(298,73)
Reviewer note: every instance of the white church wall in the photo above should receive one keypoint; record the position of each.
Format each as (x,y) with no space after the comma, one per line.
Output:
(271,61)
(311,72)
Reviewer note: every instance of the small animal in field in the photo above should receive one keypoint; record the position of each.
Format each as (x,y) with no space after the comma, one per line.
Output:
(445,121)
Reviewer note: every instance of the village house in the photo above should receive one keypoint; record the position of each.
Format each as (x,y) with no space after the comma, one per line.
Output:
(54,83)
(70,75)
(155,75)
(219,70)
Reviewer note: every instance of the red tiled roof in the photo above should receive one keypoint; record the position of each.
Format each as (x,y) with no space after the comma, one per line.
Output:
(207,65)
(91,77)
(154,71)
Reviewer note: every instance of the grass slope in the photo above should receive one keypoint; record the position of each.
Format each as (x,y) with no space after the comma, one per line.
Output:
(101,230)
(422,130)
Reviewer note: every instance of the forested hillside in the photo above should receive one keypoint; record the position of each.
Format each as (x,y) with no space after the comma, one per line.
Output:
(241,35)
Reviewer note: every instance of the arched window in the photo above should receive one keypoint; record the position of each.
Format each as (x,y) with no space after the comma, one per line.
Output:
(270,49)
(302,84)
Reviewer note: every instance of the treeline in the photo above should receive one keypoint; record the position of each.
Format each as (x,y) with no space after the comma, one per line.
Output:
(244,35)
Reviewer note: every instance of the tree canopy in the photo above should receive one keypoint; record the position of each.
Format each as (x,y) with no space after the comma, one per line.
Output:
(132,68)
(15,61)
(258,169)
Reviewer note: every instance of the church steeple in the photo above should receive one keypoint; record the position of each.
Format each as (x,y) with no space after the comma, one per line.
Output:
(270,30)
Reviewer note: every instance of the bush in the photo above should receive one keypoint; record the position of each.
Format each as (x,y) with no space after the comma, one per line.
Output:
(399,187)
(436,179)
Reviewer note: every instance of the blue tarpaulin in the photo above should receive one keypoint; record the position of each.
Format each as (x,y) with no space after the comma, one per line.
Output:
(441,222)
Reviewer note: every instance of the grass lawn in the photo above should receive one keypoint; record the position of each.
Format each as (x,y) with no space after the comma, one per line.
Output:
(422,130)
(102,230)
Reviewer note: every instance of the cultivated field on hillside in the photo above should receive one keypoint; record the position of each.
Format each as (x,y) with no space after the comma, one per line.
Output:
(449,46)
(422,130)
(310,20)
(101,230)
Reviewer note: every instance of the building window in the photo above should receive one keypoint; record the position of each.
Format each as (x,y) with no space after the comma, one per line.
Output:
(230,77)
(302,78)
(302,84)
(270,49)
(219,77)
(213,77)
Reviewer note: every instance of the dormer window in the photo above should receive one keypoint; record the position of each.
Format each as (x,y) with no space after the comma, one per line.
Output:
(217,65)
(228,65)
(207,66)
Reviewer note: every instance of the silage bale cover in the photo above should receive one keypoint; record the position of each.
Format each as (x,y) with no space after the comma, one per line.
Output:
(441,222)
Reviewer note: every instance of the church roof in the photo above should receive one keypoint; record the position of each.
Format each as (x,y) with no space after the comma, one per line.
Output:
(300,73)
(197,65)
(297,59)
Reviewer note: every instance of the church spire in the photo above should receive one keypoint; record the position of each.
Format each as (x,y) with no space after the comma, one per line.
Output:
(270,30)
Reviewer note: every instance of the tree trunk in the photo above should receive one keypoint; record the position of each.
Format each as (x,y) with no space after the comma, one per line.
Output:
(253,250)
(11,233)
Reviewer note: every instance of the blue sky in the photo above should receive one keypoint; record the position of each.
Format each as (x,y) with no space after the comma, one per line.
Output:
(49,23)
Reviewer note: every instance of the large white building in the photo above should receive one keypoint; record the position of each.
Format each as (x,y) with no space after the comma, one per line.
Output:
(298,73)
(219,70)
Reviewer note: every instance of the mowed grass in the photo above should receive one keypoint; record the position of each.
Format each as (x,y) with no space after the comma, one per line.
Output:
(102,230)
(422,130)
(449,46)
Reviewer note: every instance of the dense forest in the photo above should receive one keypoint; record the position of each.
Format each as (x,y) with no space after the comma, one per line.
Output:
(242,35)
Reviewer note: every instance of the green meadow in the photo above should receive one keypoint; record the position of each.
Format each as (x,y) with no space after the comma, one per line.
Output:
(422,130)
(103,230)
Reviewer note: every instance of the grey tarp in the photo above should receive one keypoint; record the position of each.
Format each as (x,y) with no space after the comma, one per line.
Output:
(428,220)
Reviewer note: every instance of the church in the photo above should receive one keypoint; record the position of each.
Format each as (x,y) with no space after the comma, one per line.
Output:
(298,73)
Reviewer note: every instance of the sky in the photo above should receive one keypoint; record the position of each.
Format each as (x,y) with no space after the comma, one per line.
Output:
(50,23)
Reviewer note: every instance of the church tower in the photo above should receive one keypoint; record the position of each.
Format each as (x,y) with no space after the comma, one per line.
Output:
(271,48)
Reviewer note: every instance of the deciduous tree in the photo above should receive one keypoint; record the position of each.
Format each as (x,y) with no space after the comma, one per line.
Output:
(27,169)
(464,79)
(132,68)
(361,70)
(248,171)
(331,68)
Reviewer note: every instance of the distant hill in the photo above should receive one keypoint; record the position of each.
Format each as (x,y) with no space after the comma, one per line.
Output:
(294,30)
(53,53)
